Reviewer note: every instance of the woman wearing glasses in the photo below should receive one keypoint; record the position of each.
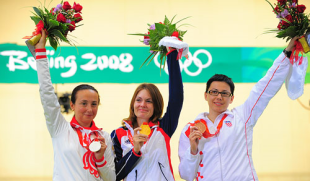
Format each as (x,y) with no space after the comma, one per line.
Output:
(217,145)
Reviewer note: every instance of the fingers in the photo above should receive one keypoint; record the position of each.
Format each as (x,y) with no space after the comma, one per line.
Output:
(193,128)
(140,138)
(43,34)
(195,133)
(101,139)
(136,130)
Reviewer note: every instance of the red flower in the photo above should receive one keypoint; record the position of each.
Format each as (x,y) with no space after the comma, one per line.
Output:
(282,2)
(61,18)
(301,8)
(78,17)
(279,25)
(72,26)
(176,34)
(289,18)
(295,1)
(277,9)
(52,11)
(66,5)
(77,7)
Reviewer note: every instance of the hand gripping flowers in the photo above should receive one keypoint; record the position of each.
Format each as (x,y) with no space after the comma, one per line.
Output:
(57,23)
(161,35)
(293,22)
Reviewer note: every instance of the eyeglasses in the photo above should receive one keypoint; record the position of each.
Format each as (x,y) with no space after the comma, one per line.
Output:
(215,93)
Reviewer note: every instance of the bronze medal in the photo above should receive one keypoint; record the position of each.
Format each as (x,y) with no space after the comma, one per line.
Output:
(201,127)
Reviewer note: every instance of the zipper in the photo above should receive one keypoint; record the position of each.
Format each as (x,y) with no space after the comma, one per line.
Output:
(160,167)
(220,156)
(136,175)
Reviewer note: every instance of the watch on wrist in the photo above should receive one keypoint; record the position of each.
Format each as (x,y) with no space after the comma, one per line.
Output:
(287,53)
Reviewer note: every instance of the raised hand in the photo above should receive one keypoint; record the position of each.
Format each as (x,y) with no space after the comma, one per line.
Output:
(291,45)
(42,42)
(138,140)
(194,137)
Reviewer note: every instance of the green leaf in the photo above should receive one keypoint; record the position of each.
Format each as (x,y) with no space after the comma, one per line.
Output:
(138,34)
(58,34)
(271,6)
(166,21)
(173,18)
(38,11)
(46,11)
(52,23)
(35,19)
(146,59)
(159,27)
(183,19)
(53,42)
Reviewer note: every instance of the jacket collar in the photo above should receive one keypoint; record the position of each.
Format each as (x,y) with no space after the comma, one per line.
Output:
(75,124)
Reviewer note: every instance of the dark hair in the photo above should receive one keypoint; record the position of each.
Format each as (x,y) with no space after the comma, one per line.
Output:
(221,78)
(158,103)
(82,87)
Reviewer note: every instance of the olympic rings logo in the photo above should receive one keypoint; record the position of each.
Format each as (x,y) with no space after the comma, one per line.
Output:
(188,62)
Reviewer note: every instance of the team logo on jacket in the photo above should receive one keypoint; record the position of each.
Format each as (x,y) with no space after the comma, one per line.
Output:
(228,123)
(127,141)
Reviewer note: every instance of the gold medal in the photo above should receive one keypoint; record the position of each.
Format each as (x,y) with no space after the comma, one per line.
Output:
(145,129)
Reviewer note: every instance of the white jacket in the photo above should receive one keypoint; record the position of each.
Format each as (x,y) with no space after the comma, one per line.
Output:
(228,155)
(68,153)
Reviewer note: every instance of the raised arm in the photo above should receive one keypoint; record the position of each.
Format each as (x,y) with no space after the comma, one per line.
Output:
(266,88)
(54,119)
(170,120)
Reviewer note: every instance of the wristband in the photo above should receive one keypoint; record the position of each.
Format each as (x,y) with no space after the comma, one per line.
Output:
(287,53)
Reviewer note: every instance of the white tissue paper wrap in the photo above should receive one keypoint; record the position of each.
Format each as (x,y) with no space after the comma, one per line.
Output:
(172,41)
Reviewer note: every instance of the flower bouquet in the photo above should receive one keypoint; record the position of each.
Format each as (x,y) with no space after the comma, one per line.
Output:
(293,22)
(57,23)
(161,35)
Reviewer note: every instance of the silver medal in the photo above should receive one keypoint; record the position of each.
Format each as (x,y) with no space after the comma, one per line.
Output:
(94,146)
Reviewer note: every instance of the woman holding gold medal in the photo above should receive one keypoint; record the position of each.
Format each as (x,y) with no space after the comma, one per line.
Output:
(217,145)
(82,151)
(142,144)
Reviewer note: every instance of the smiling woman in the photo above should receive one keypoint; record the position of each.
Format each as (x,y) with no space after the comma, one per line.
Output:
(75,159)
(140,156)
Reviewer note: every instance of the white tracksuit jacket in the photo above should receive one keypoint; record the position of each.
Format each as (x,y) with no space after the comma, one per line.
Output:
(68,153)
(228,155)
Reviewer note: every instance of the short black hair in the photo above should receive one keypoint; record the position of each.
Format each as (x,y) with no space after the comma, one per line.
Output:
(221,78)
(82,87)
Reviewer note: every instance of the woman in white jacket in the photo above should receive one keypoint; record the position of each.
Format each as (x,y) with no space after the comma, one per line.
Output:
(73,160)
(217,145)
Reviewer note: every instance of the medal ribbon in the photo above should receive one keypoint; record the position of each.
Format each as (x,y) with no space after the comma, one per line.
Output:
(88,158)
(296,50)
(207,133)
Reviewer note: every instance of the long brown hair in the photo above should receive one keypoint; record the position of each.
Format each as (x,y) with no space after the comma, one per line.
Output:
(157,99)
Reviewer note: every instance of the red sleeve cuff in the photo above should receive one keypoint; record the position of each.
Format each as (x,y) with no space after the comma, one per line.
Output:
(40,50)
(138,155)
(100,160)
(170,51)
